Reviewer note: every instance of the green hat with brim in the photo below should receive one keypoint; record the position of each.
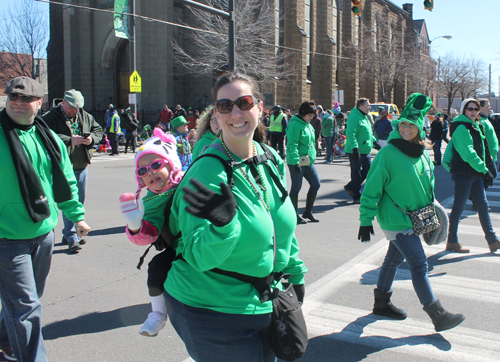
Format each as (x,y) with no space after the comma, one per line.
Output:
(415,111)
(178,121)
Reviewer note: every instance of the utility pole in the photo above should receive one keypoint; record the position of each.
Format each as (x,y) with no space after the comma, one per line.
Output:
(489,84)
(131,45)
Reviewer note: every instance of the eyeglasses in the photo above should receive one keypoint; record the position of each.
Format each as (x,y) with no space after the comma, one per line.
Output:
(26,99)
(214,121)
(244,103)
(156,165)
(470,109)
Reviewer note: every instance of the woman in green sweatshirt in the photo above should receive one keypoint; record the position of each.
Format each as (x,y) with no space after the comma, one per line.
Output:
(207,130)
(402,177)
(231,228)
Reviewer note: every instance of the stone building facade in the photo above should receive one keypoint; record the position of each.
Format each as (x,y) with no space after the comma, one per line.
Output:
(84,54)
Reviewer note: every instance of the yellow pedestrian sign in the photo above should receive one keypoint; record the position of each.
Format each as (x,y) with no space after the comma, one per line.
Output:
(135,82)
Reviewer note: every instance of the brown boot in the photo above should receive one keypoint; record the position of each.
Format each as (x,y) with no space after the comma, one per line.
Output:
(457,247)
(495,246)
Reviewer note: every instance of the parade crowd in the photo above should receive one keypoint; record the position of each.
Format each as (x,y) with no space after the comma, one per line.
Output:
(217,206)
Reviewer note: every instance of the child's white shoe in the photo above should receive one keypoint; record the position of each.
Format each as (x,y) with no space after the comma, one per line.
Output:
(154,324)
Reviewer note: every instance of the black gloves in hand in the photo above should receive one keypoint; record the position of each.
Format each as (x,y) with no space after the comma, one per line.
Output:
(355,154)
(364,233)
(207,204)
(297,168)
(300,291)
(377,145)
(488,179)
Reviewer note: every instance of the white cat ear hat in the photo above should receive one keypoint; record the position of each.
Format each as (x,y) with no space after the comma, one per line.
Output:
(164,145)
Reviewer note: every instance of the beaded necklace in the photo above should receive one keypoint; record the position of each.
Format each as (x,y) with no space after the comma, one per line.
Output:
(166,193)
(255,190)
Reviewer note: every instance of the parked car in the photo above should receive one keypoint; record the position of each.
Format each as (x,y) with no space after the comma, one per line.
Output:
(390,108)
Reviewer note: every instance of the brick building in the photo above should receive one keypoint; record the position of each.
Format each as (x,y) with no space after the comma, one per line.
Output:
(87,56)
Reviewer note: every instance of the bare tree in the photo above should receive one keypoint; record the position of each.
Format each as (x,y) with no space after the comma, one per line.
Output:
(206,53)
(24,34)
(384,55)
(452,75)
(476,80)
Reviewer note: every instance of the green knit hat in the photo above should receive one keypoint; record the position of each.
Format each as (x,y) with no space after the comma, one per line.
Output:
(178,121)
(415,111)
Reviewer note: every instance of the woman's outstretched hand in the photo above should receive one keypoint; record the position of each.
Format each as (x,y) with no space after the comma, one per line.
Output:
(204,203)
(364,233)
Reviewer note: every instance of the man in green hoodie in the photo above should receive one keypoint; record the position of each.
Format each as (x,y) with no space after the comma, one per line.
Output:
(359,142)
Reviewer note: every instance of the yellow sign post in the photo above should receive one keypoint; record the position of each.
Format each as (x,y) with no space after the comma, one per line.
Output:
(135,82)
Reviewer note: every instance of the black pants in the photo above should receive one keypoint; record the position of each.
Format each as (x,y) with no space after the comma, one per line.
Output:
(277,142)
(113,142)
(158,269)
(130,137)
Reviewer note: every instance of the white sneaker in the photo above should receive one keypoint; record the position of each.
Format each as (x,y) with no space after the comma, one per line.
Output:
(155,323)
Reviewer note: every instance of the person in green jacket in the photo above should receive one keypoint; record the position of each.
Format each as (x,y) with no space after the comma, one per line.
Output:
(327,134)
(402,178)
(300,157)
(359,143)
(466,158)
(37,179)
(219,317)
(207,130)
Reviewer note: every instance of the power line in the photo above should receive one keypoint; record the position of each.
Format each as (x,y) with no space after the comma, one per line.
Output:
(146,18)
(24,15)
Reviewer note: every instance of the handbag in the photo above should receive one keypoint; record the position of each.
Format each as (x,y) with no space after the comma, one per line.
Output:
(304,160)
(441,233)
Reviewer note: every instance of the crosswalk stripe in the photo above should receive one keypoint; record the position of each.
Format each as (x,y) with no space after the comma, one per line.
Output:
(413,337)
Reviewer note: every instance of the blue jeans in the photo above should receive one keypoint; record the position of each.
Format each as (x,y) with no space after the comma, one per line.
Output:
(24,267)
(407,247)
(307,172)
(436,147)
(359,170)
(473,186)
(212,336)
(68,230)
(329,149)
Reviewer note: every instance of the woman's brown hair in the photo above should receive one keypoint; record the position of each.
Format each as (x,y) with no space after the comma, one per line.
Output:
(203,123)
(478,117)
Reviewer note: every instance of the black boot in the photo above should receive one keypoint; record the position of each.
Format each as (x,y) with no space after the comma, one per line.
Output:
(441,318)
(309,206)
(295,201)
(384,307)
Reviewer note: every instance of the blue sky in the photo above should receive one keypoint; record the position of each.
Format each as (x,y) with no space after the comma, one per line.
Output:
(473,28)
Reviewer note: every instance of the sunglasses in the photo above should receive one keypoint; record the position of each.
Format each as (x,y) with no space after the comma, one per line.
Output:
(156,165)
(244,103)
(26,99)
(470,109)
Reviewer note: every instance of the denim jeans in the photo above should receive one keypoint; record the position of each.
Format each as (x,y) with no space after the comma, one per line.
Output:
(407,247)
(473,186)
(329,149)
(307,172)
(211,336)
(69,231)
(24,267)
(359,170)
(436,147)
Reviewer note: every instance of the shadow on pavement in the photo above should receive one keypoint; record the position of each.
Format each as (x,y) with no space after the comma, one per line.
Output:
(108,231)
(349,345)
(98,322)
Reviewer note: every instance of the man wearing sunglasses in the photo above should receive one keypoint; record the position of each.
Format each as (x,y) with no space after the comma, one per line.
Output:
(36,178)
(79,132)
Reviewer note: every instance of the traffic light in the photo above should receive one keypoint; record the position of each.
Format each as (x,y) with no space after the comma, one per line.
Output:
(356,7)
(429,5)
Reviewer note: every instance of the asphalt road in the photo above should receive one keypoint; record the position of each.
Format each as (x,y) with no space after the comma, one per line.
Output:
(96,301)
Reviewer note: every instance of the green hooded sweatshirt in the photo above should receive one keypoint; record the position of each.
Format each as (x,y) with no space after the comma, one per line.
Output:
(408,181)
(245,245)
(205,140)
(327,126)
(462,141)
(300,141)
(359,133)
(491,137)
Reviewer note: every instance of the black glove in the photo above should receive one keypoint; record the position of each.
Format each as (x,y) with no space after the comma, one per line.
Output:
(300,291)
(355,154)
(364,233)
(488,179)
(377,145)
(207,204)
(297,168)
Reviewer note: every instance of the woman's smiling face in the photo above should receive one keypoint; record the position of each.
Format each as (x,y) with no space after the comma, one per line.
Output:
(407,130)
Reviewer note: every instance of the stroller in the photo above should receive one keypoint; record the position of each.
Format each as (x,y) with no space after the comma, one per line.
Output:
(338,150)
